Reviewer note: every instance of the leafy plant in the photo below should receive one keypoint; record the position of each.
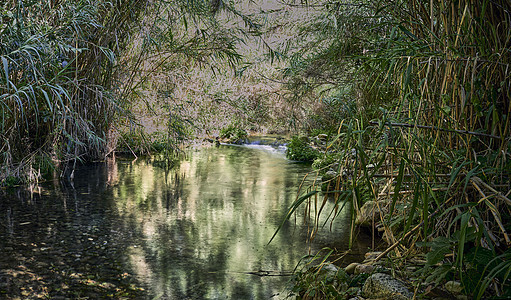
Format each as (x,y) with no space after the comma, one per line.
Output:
(321,280)
(299,149)
(431,128)
(233,133)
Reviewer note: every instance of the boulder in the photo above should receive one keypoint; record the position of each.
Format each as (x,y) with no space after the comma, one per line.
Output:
(384,286)
(330,269)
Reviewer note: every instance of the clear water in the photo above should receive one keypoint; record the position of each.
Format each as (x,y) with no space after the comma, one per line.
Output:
(197,231)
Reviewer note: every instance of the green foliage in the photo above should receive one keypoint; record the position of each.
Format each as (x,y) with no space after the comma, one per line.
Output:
(73,72)
(135,142)
(234,133)
(57,61)
(323,161)
(431,125)
(10,181)
(299,149)
(320,280)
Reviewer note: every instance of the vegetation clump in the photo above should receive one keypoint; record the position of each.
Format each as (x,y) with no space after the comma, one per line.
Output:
(430,130)
(57,80)
(299,149)
(233,134)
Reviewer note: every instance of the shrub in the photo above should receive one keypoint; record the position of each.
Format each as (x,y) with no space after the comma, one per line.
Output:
(300,150)
(233,133)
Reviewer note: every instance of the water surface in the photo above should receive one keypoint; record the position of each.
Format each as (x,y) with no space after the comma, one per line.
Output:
(197,231)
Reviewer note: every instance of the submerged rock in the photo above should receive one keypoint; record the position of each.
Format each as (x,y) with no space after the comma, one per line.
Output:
(384,286)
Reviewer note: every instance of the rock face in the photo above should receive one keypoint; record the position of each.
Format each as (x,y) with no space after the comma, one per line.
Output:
(384,286)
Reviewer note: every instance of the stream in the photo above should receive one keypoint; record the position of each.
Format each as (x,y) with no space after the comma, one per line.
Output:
(134,229)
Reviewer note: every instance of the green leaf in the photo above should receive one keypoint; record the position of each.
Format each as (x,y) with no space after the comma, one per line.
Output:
(292,209)
(407,32)
(415,202)
(439,273)
(440,247)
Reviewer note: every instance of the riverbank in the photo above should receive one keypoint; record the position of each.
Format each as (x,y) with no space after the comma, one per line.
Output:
(384,204)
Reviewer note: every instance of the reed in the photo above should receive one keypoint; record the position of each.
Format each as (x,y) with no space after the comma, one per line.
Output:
(432,134)
(73,73)
(57,85)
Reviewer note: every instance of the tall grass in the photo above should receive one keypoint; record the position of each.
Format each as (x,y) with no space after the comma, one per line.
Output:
(57,84)
(73,73)
(430,143)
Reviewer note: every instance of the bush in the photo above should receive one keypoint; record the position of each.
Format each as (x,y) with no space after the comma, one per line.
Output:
(234,134)
(300,150)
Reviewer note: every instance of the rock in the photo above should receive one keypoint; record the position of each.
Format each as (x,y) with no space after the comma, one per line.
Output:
(328,180)
(337,277)
(330,269)
(384,286)
(454,287)
(366,213)
(364,269)
(329,175)
(350,269)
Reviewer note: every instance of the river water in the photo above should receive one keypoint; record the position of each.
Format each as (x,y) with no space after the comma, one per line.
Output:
(197,231)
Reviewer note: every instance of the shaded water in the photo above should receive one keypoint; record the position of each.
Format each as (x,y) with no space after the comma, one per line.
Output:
(197,231)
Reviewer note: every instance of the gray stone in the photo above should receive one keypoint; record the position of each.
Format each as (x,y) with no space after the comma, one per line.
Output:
(330,269)
(330,174)
(363,269)
(381,285)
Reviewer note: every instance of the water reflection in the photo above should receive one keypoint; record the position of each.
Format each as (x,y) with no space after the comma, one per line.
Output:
(198,231)
(203,227)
